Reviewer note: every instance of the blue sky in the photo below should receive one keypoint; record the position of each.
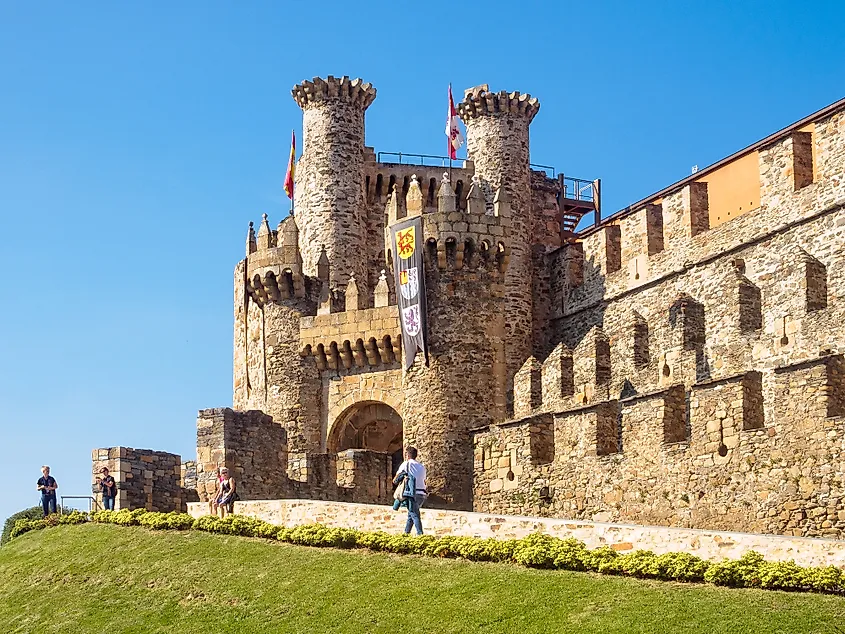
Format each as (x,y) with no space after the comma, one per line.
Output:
(137,140)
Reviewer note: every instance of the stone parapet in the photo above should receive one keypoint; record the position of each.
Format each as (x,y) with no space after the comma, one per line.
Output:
(367,337)
(707,544)
(145,479)
(727,453)
(319,90)
(480,102)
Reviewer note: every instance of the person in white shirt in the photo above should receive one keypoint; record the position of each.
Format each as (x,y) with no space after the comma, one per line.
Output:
(417,497)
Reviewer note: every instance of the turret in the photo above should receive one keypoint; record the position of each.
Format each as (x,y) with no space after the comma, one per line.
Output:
(497,143)
(463,386)
(271,296)
(329,193)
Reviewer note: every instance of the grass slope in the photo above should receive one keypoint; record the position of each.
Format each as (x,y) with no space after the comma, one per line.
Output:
(100,578)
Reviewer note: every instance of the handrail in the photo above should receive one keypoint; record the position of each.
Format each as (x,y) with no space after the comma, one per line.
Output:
(445,161)
(92,502)
(545,168)
(580,189)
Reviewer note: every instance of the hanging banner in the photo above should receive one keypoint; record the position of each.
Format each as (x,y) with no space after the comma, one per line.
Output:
(407,237)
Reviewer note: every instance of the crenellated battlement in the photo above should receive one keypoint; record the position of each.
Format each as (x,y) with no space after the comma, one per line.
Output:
(475,237)
(318,91)
(479,102)
(361,338)
(274,263)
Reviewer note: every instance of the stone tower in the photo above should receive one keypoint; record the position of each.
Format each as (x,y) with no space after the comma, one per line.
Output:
(271,297)
(497,143)
(329,191)
(463,387)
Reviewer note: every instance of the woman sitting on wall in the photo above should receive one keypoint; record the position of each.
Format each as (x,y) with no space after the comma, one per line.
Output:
(226,494)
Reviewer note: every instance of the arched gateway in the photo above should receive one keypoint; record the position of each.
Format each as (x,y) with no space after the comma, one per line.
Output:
(371,425)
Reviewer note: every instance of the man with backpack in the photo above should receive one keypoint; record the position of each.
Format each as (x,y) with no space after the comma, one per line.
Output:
(414,494)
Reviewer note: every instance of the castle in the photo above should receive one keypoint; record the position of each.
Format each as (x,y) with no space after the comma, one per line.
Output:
(676,363)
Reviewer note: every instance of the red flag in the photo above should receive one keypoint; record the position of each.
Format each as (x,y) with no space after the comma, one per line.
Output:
(453,132)
(291,166)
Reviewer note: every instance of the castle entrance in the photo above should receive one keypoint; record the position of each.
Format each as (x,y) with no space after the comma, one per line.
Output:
(368,425)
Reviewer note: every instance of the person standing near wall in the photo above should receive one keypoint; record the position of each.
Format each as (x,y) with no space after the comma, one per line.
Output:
(415,493)
(47,485)
(108,487)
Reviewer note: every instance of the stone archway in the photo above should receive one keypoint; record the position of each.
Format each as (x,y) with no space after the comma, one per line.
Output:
(371,425)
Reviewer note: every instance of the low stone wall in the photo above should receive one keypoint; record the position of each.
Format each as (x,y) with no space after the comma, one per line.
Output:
(145,479)
(713,545)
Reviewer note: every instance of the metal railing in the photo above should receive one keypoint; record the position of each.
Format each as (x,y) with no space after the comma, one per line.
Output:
(420,159)
(544,168)
(431,160)
(93,505)
(577,189)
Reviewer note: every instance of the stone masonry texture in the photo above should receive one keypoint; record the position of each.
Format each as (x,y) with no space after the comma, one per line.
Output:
(145,479)
(672,365)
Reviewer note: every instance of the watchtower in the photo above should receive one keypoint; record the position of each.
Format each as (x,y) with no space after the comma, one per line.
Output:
(497,143)
(329,192)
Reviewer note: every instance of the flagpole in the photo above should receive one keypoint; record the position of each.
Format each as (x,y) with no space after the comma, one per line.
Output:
(293,185)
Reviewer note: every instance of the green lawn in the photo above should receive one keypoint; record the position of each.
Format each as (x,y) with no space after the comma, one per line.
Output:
(103,578)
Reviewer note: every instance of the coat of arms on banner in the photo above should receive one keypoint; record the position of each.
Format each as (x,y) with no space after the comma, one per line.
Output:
(409,283)
(411,320)
(405,241)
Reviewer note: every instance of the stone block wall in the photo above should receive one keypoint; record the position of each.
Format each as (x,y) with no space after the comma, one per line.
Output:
(250,444)
(365,476)
(707,544)
(707,457)
(145,479)
(254,448)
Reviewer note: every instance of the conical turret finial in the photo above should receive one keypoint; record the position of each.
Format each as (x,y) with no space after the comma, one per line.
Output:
(323,264)
(476,202)
(414,198)
(446,201)
(251,245)
(381,295)
(265,236)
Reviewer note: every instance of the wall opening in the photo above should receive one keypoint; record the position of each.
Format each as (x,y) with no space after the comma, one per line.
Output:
(369,425)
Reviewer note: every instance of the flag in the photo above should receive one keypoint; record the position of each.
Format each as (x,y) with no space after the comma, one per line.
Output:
(456,139)
(291,166)
(410,282)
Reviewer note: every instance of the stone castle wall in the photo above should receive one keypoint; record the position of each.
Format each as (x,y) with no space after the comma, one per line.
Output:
(665,366)
(254,449)
(713,399)
(145,479)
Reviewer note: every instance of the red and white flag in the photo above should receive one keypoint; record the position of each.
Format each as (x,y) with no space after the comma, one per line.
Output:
(453,131)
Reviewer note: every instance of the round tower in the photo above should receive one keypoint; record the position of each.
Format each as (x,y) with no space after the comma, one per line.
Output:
(271,297)
(329,197)
(497,143)
(463,385)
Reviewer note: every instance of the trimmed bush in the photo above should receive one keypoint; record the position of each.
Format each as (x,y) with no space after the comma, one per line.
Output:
(535,551)
(32,513)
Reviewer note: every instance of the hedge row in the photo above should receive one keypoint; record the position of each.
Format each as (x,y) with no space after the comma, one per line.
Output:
(535,551)
(25,525)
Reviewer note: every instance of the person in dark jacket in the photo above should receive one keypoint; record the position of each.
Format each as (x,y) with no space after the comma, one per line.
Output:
(47,485)
(108,487)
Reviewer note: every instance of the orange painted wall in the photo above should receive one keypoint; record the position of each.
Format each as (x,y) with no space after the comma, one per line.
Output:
(733,189)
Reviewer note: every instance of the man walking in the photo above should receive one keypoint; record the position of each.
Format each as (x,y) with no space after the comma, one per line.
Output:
(414,494)
(47,485)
